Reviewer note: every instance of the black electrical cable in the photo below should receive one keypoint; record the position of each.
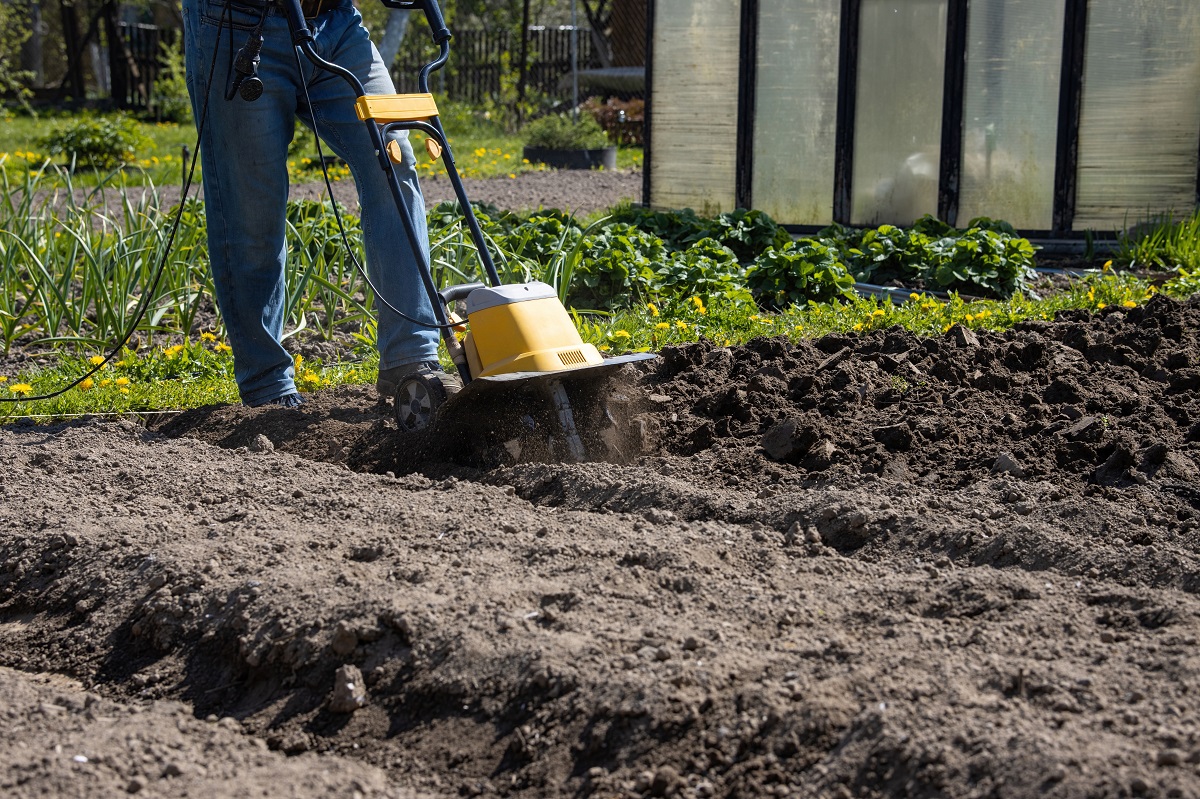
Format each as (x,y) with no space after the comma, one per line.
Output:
(148,297)
(342,228)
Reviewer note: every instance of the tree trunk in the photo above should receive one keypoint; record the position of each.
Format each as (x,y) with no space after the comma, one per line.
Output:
(393,35)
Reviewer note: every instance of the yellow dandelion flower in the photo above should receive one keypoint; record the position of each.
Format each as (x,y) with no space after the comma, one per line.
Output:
(96,360)
(754,317)
(1107,265)
(121,364)
(512,176)
(1129,304)
(858,326)
(620,334)
(3,378)
(653,309)
(1101,306)
(662,326)
(206,336)
(223,347)
(969,318)
(914,296)
(122,381)
(86,384)
(604,348)
(21,389)
(877,312)
(124,390)
(681,325)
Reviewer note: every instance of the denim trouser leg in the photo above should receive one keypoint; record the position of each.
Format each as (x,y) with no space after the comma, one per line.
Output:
(244,156)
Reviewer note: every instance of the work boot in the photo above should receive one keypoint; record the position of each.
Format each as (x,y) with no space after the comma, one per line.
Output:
(292,400)
(389,379)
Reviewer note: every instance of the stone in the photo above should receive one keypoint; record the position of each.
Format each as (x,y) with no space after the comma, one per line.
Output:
(1168,757)
(964,337)
(1007,463)
(344,640)
(349,690)
(262,444)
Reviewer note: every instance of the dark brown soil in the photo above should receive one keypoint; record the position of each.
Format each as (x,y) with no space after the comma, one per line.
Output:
(862,566)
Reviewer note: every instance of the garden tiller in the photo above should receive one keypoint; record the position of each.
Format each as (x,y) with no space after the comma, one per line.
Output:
(519,339)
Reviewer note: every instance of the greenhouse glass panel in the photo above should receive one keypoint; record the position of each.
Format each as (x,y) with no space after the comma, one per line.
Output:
(795,115)
(1010,114)
(694,104)
(898,110)
(1139,120)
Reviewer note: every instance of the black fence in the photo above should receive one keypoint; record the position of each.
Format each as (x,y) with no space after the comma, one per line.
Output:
(134,61)
(486,65)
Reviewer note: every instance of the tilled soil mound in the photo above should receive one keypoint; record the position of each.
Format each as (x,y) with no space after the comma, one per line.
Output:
(870,565)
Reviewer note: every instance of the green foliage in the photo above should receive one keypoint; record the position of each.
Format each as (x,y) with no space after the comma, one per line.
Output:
(101,142)
(706,269)
(14,30)
(1163,244)
(617,268)
(806,270)
(983,260)
(749,233)
(1185,284)
(677,229)
(170,99)
(560,132)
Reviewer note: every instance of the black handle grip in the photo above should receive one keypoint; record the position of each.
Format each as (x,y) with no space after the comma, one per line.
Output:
(459,292)
(437,23)
(295,18)
(433,13)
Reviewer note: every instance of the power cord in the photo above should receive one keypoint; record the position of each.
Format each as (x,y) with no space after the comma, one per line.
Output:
(148,298)
(337,215)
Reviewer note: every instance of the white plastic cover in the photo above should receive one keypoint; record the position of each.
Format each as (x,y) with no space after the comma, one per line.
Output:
(898,111)
(1010,113)
(1139,128)
(693,106)
(795,113)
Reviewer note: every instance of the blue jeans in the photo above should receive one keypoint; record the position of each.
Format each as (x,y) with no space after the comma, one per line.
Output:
(244,156)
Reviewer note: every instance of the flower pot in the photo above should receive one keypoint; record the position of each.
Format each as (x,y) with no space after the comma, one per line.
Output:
(573,159)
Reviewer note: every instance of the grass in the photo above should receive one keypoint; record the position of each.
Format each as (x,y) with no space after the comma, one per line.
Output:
(1164,243)
(480,151)
(198,371)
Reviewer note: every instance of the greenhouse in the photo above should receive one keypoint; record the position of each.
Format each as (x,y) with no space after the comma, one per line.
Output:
(1069,119)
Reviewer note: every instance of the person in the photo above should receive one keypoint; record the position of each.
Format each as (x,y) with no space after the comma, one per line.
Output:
(244,156)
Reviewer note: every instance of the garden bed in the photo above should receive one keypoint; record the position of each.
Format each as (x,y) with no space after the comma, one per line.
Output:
(865,565)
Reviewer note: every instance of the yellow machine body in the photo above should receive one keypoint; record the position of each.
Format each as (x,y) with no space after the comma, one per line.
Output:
(522,328)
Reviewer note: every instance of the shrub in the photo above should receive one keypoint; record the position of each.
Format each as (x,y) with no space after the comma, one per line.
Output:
(559,132)
(706,269)
(171,100)
(101,142)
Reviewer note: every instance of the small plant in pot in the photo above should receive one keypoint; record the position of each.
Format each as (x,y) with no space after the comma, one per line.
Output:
(561,142)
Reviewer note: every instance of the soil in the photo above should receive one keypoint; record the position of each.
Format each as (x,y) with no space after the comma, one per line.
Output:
(867,565)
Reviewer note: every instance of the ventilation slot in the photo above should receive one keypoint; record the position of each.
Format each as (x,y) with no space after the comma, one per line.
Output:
(572,358)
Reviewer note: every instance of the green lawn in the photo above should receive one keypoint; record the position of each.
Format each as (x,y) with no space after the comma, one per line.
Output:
(480,151)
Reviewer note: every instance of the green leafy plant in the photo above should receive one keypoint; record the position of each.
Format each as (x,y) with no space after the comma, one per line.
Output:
(1164,243)
(749,233)
(617,268)
(707,269)
(102,142)
(560,132)
(806,270)
(170,99)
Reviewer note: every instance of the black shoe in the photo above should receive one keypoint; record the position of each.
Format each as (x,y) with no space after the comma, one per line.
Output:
(389,379)
(293,400)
